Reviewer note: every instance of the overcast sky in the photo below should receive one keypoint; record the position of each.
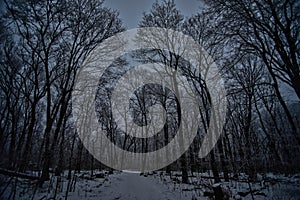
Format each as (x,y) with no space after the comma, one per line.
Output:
(131,11)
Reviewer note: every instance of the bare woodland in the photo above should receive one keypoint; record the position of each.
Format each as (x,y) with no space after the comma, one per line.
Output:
(255,44)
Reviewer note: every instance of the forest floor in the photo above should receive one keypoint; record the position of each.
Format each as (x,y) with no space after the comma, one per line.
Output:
(152,186)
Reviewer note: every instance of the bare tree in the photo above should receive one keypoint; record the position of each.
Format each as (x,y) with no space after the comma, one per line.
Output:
(270,30)
(56,37)
(166,15)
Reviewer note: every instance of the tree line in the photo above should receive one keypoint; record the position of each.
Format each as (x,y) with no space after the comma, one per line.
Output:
(255,45)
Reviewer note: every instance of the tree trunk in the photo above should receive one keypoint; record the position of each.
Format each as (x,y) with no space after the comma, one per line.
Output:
(214,167)
(184,169)
(223,161)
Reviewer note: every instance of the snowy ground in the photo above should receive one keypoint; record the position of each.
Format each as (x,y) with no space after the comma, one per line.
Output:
(131,186)
(126,186)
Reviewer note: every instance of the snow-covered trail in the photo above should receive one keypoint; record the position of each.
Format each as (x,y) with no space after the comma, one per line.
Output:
(133,186)
(127,186)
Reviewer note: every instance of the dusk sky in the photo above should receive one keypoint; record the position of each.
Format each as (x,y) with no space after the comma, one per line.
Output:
(131,11)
